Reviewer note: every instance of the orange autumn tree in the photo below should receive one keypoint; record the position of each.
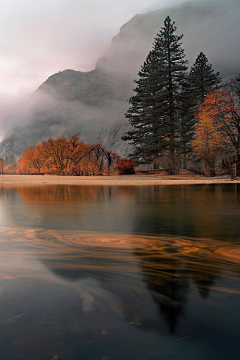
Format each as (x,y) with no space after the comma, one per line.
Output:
(29,162)
(80,158)
(224,109)
(53,154)
(66,157)
(208,141)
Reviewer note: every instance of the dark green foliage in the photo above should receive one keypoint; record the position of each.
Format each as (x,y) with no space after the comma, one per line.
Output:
(155,109)
(202,78)
(200,81)
(234,86)
(162,111)
(187,123)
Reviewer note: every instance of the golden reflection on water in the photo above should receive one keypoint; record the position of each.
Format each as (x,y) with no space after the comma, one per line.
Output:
(167,194)
(37,197)
(48,200)
(63,193)
(108,270)
(54,193)
(72,284)
(120,251)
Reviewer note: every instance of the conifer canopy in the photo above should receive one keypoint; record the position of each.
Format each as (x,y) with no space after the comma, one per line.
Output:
(155,109)
(202,78)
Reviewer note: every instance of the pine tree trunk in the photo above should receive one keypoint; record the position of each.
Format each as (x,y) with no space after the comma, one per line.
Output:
(184,161)
(172,147)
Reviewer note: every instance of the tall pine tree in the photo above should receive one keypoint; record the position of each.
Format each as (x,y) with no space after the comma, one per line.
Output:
(202,78)
(200,81)
(155,109)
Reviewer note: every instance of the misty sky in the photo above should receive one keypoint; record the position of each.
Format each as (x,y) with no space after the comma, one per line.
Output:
(42,37)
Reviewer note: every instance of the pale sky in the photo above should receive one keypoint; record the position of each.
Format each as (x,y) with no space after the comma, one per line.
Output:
(41,37)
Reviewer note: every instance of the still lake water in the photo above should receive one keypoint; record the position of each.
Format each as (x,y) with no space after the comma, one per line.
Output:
(113,273)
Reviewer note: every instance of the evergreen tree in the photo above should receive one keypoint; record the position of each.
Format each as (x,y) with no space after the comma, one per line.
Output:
(202,78)
(187,123)
(200,81)
(155,109)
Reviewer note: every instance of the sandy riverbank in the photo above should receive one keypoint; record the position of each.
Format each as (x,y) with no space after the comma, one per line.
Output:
(31,180)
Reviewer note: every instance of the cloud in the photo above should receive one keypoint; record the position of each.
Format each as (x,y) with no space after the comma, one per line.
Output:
(40,38)
(45,116)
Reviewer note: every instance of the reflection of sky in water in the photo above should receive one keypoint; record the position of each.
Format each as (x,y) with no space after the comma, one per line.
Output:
(69,289)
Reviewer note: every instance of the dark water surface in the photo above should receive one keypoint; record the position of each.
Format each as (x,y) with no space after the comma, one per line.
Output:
(113,273)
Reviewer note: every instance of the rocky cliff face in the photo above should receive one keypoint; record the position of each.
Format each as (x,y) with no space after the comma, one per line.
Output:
(93,103)
(92,88)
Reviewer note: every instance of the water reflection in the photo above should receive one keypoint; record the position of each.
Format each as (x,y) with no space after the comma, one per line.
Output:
(74,193)
(169,267)
(76,207)
(167,284)
(210,211)
(55,197)
(199,211)
(103,271)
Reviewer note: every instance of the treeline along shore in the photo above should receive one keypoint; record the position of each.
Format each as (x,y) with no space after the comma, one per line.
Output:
(69,156)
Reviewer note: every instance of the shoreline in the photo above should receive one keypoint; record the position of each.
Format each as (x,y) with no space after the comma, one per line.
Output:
(112,180)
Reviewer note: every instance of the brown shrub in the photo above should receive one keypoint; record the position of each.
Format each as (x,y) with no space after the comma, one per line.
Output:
(125,166)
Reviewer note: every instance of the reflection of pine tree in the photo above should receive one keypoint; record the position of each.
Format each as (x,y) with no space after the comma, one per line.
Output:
(167,284)
(168,272)
(205,276)
(174,288)
(204,285)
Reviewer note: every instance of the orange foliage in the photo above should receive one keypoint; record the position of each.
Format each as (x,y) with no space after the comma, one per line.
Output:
(65,157)
(223,108)
(217,104)
(209,140)
(29,162)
